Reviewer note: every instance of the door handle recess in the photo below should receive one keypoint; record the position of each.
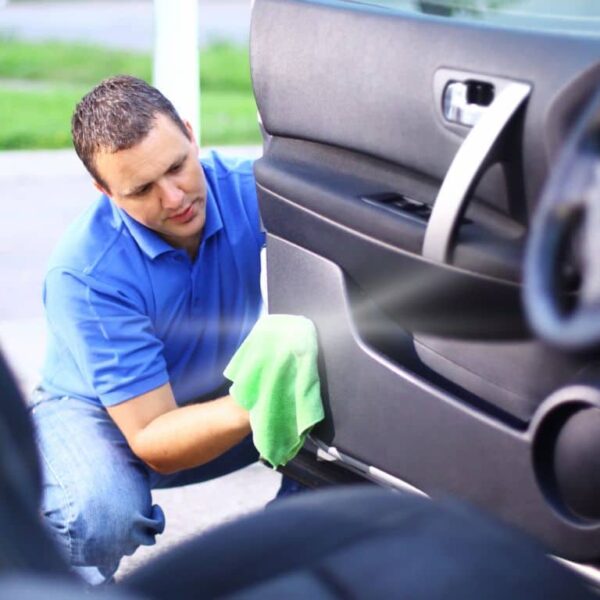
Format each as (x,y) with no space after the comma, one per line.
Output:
(469,164)
(464,102)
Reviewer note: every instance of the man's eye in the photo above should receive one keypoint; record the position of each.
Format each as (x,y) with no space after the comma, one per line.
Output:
(176,168)
(143,191)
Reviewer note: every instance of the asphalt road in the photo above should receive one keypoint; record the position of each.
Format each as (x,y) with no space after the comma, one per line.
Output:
(40,193)
(117,23)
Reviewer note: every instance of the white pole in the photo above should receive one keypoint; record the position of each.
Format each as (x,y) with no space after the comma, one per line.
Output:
(176,62)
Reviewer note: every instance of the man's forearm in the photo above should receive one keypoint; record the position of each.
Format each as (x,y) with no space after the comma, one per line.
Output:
(189,436)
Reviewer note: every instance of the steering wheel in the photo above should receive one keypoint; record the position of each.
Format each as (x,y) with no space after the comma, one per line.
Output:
(562,261)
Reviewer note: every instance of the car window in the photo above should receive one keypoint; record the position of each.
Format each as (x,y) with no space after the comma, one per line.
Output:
(579,17)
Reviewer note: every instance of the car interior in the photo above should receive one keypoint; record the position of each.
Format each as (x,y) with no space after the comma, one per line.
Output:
(429,190)
(409,157)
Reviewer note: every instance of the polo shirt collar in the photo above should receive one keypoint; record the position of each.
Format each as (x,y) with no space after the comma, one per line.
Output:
(153,245)
(213,220)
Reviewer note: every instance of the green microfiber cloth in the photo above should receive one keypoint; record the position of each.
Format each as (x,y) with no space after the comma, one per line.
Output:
(275,378)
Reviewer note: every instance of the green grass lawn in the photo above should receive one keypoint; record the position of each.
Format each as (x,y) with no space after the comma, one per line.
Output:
(41,83)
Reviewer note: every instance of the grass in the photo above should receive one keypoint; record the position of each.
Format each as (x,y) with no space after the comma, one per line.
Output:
(60,62)
(37,118)
(40,83)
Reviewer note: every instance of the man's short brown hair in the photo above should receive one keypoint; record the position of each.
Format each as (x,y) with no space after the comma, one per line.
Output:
(117,114)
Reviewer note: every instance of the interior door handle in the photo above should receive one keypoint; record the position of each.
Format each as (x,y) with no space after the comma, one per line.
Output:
(470,162)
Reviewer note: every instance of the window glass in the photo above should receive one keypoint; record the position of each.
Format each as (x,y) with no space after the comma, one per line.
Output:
(580,17)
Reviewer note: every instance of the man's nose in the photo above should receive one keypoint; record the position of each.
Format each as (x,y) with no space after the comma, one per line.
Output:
(171,195)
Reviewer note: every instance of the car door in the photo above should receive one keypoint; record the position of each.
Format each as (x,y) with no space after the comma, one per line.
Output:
(406,145)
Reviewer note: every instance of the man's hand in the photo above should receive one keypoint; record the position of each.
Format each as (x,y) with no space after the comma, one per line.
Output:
(170,438)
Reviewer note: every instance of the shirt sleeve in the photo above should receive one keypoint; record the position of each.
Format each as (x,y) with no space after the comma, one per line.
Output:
(111,338)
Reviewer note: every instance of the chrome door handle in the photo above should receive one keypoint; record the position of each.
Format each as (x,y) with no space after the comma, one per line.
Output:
(456,105)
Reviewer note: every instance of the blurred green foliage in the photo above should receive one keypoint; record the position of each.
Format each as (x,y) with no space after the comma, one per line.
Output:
(40,83)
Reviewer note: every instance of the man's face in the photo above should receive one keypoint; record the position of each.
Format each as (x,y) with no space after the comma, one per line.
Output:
(159,183)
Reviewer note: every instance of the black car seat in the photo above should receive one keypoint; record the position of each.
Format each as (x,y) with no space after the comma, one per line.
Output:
(24,545)
(350,542)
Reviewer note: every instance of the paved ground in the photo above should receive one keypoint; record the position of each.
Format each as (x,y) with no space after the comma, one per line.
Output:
(117,23)
(40,193)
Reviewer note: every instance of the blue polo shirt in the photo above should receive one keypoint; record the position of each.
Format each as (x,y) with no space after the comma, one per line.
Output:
(127,312)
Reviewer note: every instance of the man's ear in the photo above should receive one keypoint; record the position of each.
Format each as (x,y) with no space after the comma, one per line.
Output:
(101,189)
(190,129)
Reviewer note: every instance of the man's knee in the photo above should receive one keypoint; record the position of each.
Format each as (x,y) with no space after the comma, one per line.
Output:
(114,524)
(96,499)
(100,523)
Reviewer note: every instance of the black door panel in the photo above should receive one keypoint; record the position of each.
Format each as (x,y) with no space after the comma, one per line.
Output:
(363,78)
(429,373)
(358,192)
(383,414)
(420,295)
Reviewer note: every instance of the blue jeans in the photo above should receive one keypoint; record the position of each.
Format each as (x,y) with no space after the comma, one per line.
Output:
(97,499)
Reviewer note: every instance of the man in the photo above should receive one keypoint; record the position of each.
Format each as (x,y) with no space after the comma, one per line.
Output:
(147,297)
